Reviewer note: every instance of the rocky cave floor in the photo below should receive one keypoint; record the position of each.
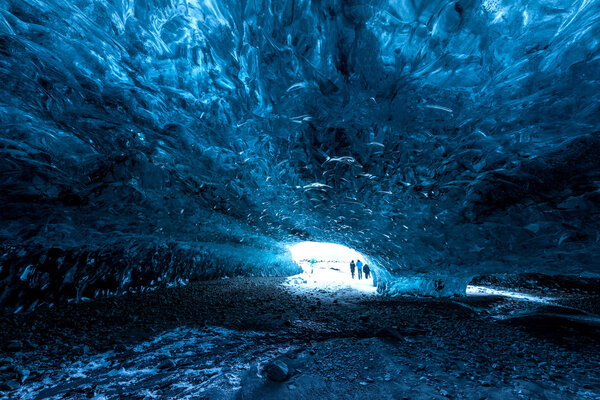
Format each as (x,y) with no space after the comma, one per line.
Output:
(212,340)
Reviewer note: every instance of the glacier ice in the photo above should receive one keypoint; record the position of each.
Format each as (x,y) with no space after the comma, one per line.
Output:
(443,139)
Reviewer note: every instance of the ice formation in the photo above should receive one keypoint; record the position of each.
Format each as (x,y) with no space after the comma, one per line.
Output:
(147,139)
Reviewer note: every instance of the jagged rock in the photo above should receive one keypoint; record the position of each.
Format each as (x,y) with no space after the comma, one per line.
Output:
(277,371)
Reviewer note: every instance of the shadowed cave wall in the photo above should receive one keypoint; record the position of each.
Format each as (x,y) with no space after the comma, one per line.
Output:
(171,139)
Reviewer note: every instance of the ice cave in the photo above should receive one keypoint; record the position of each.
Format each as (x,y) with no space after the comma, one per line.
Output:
(161,159)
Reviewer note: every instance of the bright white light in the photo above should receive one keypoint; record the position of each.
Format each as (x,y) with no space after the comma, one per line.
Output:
(323,251)
(481,290)
(330,269)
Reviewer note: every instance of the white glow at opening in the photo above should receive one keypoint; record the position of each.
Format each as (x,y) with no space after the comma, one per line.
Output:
(481,290)
(330,269)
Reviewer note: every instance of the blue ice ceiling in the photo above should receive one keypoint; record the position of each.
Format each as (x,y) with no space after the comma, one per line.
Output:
(162,138)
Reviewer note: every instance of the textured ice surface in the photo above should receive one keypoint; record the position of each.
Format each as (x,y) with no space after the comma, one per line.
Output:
(210,362)
(441,138)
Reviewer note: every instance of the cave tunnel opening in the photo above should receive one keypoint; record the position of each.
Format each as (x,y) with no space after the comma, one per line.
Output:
(161,160)
(327,266)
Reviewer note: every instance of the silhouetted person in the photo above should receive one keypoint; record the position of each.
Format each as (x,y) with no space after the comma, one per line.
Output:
(359,265)
(367,271)
(352,268)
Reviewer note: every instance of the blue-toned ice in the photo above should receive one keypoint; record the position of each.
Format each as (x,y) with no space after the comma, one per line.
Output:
(182,140)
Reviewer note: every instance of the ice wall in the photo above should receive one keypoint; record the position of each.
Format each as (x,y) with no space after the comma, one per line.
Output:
(432,135)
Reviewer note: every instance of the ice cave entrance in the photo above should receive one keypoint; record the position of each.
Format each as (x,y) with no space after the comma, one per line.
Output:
(327,265)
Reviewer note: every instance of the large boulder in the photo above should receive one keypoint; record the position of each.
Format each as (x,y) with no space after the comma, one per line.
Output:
(277,371)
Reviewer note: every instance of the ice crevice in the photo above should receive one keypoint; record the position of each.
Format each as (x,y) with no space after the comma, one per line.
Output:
(185,139)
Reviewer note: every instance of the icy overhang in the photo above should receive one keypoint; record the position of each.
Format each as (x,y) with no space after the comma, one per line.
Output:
(446,139)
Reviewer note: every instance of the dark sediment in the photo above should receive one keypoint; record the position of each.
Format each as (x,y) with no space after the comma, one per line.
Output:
(341,344)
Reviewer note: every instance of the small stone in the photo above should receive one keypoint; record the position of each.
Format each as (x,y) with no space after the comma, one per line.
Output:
(120,348)
(390,333)
(277,371)
(24,374)
(9,386)
(14,346)
(166,364)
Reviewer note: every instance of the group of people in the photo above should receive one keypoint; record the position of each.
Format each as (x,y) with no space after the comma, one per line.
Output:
(360,267)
